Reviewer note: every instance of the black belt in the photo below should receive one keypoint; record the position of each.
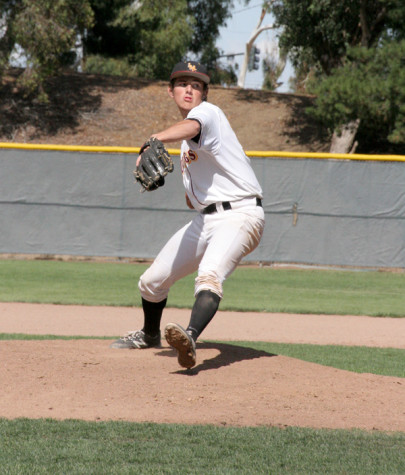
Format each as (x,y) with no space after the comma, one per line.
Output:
(212,208)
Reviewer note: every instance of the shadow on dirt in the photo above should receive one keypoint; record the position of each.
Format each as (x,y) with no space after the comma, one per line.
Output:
(228,354)
(71,96)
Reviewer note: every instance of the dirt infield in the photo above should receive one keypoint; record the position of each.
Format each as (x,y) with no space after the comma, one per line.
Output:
(231,385)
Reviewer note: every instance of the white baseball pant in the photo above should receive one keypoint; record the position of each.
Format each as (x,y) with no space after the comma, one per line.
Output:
(213,244)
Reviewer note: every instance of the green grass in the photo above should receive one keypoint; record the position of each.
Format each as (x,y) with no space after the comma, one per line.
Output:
(82,283)
(317,291)
(359,359)
(248,289)
(77,447)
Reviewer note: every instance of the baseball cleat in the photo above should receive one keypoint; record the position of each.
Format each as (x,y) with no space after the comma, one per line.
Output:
(181,341)
(137,339)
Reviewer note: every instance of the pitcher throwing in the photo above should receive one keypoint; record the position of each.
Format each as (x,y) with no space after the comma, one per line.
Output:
(222,188)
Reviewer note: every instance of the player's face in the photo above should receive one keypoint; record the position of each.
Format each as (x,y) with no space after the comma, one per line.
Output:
(187,93)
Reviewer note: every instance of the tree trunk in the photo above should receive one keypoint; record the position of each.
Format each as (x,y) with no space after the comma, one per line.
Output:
(244,68)
(256,32)
(343,139)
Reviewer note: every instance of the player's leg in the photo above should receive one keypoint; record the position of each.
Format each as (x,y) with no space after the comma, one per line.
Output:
(204,308)
(230,238)
(149,335)
(178,258)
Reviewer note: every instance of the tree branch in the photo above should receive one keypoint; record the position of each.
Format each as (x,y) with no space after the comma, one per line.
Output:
(256,32)
(365,32)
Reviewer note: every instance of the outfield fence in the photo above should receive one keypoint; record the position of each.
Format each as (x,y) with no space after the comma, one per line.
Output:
(321,209)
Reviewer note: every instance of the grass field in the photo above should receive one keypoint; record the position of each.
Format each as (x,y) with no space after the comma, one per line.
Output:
(248,289)
(78,447)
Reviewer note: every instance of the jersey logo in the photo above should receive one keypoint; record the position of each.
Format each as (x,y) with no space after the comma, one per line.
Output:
(187,158)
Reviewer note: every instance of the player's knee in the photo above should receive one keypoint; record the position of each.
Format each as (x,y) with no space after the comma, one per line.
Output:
(208,281)
(208,300)
(150,288)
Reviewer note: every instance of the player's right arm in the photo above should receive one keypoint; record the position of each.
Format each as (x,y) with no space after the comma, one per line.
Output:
(183,130)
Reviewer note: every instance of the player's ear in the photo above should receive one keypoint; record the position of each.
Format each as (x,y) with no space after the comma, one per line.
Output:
(170,91)
(205,93)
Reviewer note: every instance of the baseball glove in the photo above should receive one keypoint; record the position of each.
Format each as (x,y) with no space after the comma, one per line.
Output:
(154,165)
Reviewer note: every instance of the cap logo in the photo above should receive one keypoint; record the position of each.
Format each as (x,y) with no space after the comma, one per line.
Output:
(191,67)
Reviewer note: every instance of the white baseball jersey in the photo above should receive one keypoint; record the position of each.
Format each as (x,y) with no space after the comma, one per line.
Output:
(215,168)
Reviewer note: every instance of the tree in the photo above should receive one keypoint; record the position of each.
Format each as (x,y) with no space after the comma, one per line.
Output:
(166,29)
(153,35)
(209,16)
(46,30)
(115,31)
(325,36)
(371,86)
(273,66)
(144,37)
(250,43)
(7,13)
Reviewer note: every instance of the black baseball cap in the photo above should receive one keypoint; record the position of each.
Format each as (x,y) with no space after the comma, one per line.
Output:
(191,69)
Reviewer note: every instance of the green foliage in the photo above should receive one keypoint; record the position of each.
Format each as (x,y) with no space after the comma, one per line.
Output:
(82,447)
(149,36)
(144,38)
(369,86)
(97,64)
(272,69)
(152,36)
(108,37)
(166,32)
(220,74)
(346,48)
(46,29)
(209,17)
(7,40)
(319,32)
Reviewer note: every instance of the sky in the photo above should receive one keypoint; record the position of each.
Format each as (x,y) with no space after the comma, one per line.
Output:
(236,33)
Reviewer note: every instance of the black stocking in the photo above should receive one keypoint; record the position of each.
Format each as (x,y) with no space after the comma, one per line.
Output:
(205,307)
(152,315)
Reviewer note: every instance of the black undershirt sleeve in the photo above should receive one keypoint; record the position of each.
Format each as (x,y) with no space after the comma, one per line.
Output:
(197,137)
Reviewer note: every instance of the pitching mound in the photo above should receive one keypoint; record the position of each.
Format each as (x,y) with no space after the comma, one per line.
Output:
(231,385)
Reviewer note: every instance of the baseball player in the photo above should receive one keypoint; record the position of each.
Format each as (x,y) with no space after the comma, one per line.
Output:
(222,188)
